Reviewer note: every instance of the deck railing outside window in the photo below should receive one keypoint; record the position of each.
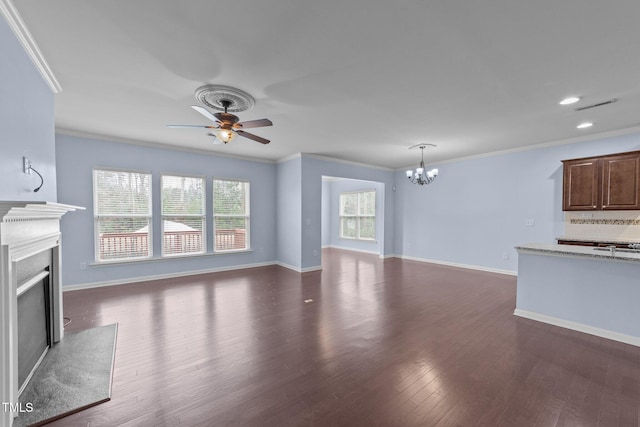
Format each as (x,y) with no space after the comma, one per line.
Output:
(115,245)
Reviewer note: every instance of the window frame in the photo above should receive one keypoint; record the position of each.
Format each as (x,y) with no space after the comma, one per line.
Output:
(246,216)
(358,215)
(97,216)
(202,216)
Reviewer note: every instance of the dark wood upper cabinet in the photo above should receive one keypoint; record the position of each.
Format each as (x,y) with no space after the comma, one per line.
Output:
(621,182)
(581,185)
(609,182)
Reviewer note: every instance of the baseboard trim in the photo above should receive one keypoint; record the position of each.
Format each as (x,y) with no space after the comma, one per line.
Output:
(264,264)
(298,269)
(580,327)
(162,276)
(342,248)
(455,264)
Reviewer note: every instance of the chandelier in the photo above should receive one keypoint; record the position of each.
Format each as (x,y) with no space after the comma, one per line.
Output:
(421,177)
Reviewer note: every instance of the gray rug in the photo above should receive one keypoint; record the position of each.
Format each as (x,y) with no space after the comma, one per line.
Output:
(74,375)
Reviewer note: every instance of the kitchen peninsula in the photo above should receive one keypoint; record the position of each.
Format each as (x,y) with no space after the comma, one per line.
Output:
(595,290)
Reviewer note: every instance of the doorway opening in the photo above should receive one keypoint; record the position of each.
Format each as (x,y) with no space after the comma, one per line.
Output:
(352,214)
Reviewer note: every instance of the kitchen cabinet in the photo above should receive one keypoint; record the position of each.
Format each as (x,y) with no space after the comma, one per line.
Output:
(609,182)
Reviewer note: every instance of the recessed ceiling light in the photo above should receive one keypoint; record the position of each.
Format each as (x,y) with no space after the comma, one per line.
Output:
(570,100)
(584,125)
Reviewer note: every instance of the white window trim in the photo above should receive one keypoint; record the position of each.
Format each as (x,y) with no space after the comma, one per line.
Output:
(203,216)
(247,216)
(97,217)
(357,216)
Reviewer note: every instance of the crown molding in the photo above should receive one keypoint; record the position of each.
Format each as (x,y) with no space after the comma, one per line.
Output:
(19,28)
(346,162)
(290,157)
(584,138)
(119,140)
(333,160)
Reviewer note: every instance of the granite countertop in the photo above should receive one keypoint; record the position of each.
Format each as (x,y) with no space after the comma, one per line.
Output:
(580,251)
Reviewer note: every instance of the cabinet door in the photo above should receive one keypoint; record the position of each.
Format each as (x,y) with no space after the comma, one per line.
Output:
(580,191)
(621,182)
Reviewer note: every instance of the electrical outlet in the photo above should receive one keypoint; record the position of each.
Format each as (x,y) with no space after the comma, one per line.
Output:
(505,255)
(26,165)
(529,222)
(83,266)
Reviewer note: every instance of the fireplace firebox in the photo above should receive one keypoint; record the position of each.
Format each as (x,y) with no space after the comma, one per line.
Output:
(34,318)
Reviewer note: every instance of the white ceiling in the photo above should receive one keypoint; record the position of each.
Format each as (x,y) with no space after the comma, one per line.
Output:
(358,80)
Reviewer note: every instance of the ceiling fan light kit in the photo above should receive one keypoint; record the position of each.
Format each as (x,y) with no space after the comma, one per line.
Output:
(419,176)
(227,125)
(224,135)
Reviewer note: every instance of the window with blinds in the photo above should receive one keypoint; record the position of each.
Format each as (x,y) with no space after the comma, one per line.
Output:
(122,214)
(230,215)
(358,215)
(183,215)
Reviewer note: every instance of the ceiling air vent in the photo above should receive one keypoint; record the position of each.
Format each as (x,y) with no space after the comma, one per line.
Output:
(599,104)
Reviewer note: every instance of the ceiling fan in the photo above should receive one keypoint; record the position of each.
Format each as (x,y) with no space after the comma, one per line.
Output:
(227,125)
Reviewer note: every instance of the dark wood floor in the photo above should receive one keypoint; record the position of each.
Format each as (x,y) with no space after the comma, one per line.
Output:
(383,343)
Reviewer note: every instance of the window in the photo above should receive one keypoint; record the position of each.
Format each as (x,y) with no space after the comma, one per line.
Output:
(122,214)
(183,217)
(358,215)
(230,215)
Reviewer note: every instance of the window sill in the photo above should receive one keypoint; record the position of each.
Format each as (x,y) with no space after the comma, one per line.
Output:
(165,258)
(358,240)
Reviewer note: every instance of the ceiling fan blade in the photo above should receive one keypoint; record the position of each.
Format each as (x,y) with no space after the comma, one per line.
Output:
(260,139)
(204,112)
(254,124)
(216,141)
(191,126)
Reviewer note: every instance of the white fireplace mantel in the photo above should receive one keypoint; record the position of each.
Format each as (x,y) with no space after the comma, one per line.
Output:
(26,228)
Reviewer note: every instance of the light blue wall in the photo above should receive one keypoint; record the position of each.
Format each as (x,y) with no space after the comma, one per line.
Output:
(339,186)
(289,212)
(78,156)
(476,209)
(312,171)
(471,215)
(26,124)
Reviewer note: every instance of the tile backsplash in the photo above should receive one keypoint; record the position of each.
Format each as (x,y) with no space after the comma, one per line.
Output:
(613,225)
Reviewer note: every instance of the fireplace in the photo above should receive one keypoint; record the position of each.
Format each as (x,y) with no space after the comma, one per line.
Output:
(30,293)
(35,324)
